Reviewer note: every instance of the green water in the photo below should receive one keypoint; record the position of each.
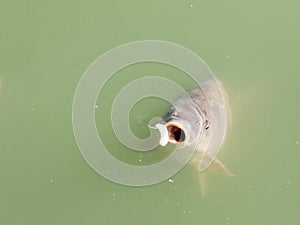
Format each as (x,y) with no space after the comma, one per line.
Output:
(253,47)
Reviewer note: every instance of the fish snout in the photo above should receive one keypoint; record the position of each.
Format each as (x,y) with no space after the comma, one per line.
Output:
(172,132)
(176,132)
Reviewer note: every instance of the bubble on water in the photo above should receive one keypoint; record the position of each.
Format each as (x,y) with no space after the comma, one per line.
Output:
(51,180)
(191,5)
(171,181)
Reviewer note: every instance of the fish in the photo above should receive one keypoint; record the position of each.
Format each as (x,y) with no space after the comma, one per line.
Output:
(199,119)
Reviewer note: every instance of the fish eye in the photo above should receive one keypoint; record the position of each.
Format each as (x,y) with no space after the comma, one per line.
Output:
(206,124)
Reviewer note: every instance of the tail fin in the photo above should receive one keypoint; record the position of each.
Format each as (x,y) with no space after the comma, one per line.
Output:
(216,167)
(202,182)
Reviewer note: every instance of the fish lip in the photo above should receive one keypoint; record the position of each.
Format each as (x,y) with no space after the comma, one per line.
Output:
(173,133)
(164,136)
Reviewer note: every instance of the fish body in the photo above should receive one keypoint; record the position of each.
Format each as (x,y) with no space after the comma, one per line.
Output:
(198,119)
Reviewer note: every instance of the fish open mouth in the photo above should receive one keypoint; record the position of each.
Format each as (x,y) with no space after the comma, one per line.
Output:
(176,133)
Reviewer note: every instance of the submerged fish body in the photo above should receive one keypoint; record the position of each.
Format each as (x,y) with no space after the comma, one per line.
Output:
(198,119)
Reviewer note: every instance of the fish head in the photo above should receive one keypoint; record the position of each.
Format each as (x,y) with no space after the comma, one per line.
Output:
(179,126)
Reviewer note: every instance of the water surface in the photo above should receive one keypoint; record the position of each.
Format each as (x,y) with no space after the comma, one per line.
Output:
(44,50)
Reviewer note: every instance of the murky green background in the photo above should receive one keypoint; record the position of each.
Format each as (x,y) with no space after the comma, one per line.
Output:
(45,47)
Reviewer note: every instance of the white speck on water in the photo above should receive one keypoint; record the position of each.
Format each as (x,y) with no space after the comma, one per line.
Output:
(228,218)
(191,5)
(96,106)
(32,109)
(297,142)
(140,157)
(227,56)
(171,181)
(177,203)
(51,180)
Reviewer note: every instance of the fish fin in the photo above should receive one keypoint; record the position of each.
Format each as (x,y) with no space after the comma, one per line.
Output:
(202,182)
(217,167)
